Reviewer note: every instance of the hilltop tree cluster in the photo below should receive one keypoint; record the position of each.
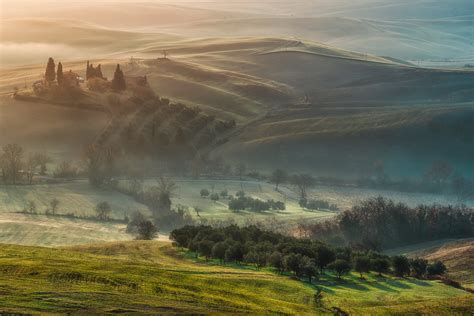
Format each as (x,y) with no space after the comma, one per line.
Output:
(57,76)
(302,257)
(380,223)
(94,72)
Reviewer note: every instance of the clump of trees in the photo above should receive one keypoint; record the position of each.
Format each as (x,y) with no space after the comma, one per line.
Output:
(242,202)
(94,72)
(304,258)
(158,199)
(18,169)
(319,205)
(380,223)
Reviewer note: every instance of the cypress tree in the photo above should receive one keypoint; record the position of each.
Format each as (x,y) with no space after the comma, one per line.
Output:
(88,71)
(99,72)
(50,74)
(59,75)
(118,83)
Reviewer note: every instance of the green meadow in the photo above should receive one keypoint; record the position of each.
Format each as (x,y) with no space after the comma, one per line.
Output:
(154,277)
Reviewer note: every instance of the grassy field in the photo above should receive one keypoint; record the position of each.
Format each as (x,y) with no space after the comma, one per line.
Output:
(76,197)
(153,277)
(456,254)
(187,193)
(48,231)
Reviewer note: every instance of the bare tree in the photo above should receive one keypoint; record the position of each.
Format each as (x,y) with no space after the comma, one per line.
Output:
(278,177)
(65,170)
(11,162)
(54,204)
(302,183)
(159,196)
(240,170)
(42,159)
(103,210)
(100,163)
(30,167)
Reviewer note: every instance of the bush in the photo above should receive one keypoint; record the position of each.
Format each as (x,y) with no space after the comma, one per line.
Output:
(103,210)
(146,230)
(136,219)
(436,268)
(205,192)
(320,204)
(224,193)
(215,197)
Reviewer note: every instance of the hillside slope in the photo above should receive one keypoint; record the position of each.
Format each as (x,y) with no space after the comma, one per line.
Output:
(153,277)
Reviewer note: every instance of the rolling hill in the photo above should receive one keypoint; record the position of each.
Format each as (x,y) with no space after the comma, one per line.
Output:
(152,277)
(312,100)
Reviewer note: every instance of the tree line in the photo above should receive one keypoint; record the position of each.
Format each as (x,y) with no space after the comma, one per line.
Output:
(304,258)
(19,167)
(380,223)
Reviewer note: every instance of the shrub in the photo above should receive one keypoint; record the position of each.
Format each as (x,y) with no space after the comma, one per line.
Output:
(103,210)
(146,230)
(436,268)
(136,219)
(205,192)
(215,197)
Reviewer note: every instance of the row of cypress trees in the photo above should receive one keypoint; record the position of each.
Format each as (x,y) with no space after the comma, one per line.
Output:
(51,74)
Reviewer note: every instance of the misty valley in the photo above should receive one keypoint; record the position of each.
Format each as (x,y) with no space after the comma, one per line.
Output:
(205,157)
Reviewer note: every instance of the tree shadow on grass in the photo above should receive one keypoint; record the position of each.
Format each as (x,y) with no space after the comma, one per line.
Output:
(349,285)
(396,283)
(379,285)
(419,282)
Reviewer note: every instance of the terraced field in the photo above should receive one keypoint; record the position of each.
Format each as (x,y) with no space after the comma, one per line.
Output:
(153,277)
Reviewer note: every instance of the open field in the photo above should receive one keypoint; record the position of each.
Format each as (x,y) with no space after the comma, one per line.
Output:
(79,198)
(188,193)
(49,231)
(152,277)
(76,197)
